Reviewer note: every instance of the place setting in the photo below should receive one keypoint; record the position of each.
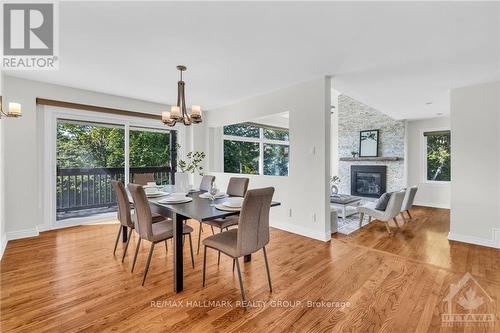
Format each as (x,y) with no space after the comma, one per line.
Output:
(154,191)
(176,198)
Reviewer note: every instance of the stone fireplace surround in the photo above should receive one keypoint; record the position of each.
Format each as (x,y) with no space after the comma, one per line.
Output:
(354,117)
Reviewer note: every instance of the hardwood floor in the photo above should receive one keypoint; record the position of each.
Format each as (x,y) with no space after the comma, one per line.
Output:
(68,280)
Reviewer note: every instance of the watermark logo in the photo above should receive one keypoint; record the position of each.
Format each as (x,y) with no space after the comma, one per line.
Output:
(30,36)
(468,304)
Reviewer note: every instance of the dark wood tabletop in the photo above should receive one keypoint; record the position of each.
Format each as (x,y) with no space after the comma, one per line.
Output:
(199,209)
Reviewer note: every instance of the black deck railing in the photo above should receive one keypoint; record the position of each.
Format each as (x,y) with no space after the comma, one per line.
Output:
(88,188)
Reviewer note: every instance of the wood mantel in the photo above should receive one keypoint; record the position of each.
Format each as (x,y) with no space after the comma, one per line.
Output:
(378,159)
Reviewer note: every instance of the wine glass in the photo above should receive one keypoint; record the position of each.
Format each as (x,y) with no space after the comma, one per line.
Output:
(213,191)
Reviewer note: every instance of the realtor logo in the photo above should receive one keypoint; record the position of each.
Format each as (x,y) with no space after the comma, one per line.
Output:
(29,36)
(468,304)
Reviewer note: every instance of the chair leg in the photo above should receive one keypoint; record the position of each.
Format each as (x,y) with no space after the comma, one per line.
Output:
(267,269)
(218,256)
(199,239)
(166,247)
(403,216)
(361,216)
(117,238)
(191,249)
(135,255)
(234,263)
(369,219)
(241,281)
(148,262)
(408,212)
(395,221)
(204,263)
(126,245)
(387,227)
(213,232)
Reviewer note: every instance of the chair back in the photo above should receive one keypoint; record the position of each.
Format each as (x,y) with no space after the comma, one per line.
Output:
(409,197)
(123,204)
(206,183)
(142,211)
(253,227)
(237,186)
(143,178)
(394,205)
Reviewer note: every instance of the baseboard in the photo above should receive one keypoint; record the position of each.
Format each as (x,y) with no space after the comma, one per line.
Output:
(3,245)
(301,231)
(432,204)
(25,233)
(493,242)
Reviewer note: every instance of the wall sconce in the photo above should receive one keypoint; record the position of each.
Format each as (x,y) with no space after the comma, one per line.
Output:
(14,110)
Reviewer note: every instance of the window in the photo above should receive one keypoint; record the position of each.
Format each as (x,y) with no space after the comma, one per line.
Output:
(257,149)
(438,156)
(89,155)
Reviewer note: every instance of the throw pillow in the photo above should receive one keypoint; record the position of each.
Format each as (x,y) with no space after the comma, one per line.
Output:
(383,201)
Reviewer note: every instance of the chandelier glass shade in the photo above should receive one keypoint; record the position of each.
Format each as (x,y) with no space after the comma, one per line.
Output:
(178,113)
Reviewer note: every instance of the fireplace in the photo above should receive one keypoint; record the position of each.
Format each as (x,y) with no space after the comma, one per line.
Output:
(368,180)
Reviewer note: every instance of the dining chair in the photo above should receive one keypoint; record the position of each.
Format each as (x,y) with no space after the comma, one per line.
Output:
(206,182)
(152,232)
(124,216)
(237,187)
(143,178)
(408,201)
(251,235)
(392,210)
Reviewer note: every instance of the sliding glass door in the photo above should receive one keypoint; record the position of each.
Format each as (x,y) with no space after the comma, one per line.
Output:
(150,153)
(89,155)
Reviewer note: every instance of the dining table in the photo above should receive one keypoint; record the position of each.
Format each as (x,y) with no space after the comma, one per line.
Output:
(199,209)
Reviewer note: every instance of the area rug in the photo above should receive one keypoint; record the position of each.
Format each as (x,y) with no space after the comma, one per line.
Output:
(349,224)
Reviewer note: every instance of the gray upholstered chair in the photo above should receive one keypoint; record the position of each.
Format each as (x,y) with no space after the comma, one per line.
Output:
(124,216)
(206,182)
(237,187)
(251,235)
(143,178)
(392,210)
(152,232)
(408,201)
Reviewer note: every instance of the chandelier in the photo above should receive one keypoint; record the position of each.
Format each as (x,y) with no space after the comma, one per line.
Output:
(178,113)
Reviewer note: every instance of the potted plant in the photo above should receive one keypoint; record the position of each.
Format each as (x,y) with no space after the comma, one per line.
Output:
(354,153)
(334,181)
(192,165)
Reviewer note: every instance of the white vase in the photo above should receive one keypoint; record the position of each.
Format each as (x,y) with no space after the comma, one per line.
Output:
(181,182)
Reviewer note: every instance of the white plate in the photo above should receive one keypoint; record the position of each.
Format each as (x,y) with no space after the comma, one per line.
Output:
(219,195)
(233,202)
(175,201)
(156,194)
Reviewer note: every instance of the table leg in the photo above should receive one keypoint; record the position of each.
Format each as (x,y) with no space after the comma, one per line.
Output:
(344,213)
(247,258)
(124,234)
(178,259)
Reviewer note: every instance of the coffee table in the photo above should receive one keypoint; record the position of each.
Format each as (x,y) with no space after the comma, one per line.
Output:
(343,201)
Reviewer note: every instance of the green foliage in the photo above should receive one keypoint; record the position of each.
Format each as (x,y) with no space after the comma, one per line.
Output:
(438,157)
(92,146)
(276,160)
(241,157)
(276,134)
(88,146)
(334,180)
(245,130)
(192,162)
(149,148)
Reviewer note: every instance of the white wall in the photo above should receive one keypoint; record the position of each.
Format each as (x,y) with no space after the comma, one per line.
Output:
(475,190)
(22,210)
(432,194)
(3,236)
(305,192)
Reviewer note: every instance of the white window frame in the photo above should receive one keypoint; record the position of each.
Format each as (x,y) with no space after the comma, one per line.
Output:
(48,172)
(261,140)
(424,157)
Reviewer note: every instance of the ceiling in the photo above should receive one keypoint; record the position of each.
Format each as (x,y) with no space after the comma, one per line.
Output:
(394,56)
